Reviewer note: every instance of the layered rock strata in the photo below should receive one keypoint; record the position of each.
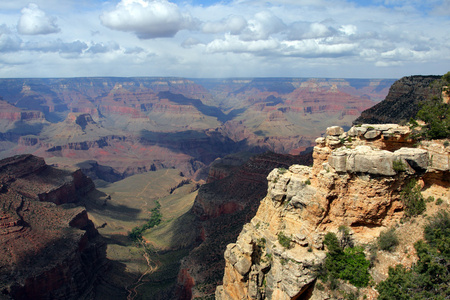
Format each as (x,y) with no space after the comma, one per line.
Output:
(355,181)
(47,251)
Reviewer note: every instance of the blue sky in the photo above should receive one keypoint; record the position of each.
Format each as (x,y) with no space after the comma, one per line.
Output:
(230,38)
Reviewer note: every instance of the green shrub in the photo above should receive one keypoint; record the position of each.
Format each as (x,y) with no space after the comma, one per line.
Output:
(439,201)
(347,264)
(155,220)
(284,240)
(387,240)
(429,277)
(398,166)
(412,199)
(282,170)
(437,232)
(308,181)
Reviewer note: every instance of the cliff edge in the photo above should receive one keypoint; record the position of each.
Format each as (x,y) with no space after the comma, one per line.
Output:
(49,249)
(355,182)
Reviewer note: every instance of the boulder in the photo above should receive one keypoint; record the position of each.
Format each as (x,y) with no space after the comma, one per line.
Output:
(335,130)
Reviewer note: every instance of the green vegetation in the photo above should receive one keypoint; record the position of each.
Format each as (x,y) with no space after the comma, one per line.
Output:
(155,219)
(429,278)
(439,201)
(308,182)
(347,263)
(412,199)
(282,170)
(436,114)
(398,165)
(284,240)
(387,240)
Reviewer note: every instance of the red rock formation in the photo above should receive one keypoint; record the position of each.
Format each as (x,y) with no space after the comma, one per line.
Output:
(47,251)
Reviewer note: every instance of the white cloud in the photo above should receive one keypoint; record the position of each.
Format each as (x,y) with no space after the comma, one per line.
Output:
(307,30)
(237,38)
(57,46)
(234,44)
(103,47)
(190,42)
(262,26)
(232,24)
(9,43)
(348,29)
(147,19)
(317,48)
(34,21)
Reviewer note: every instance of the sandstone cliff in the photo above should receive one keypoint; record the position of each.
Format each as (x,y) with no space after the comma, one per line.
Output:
(353,183)
(48,250)
(222,206)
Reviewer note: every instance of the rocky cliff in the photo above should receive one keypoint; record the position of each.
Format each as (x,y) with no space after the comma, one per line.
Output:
(402,102)
(352,183)
(49,248)
(222,206)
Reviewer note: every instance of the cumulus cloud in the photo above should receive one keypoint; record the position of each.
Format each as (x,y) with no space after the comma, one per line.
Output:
(233,24)
(315,48)
(306,30)
(35,21)
(236,45)
(262,26)
(147,18)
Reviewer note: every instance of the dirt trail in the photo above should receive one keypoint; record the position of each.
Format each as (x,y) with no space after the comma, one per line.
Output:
(152,267)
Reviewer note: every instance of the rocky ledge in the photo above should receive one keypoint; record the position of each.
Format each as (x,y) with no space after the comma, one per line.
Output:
(355,181)
(47,251)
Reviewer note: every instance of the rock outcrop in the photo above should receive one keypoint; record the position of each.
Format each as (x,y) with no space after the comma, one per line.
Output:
(356,181)
(402,102)
(221,208)
(48,250)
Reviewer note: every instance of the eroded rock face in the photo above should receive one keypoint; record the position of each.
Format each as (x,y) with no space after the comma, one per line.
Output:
(402,101)
(47,251)
(352,183)
(222,208)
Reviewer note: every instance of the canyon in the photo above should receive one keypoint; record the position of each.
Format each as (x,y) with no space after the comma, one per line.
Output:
(188,147)
(136,125)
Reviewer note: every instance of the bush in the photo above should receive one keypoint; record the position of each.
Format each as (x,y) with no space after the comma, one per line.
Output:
(398,166)
(347,264)
(412,199)
(284,240)
(387,240)
(429,277)
(439,201)
(155,220)
(437,232)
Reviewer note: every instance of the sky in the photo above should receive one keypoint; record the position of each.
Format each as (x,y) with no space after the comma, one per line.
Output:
(229,38)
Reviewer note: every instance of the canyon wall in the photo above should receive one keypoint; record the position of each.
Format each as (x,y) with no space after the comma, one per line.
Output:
(49,248)
(352,183)
(402,102)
